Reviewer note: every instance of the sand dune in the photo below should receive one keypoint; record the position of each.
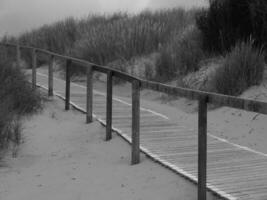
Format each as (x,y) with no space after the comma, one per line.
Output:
(63,158)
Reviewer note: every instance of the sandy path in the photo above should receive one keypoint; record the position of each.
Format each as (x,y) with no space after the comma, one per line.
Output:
(62,158)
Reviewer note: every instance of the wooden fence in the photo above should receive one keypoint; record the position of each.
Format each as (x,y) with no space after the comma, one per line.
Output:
(137,84)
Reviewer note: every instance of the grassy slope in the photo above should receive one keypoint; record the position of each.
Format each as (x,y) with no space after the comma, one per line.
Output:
(120,39)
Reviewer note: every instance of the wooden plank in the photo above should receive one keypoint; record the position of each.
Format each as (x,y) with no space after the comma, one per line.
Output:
(226,175)
(124,76)
(202,148)
(102,107)
(145,122)
(245,164)
(34,66)
(50,76)
(67,88)
(89,95)
(126,116)
(177,147)
(135,122)
(241,162)
(109,107)
(234,181)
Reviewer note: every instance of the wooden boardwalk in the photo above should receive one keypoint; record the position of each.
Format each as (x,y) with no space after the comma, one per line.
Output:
(234,171)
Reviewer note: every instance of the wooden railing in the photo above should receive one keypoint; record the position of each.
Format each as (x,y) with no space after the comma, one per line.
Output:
(203,97)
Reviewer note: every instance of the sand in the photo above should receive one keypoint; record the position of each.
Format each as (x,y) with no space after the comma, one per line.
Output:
(62,158)
(236,126)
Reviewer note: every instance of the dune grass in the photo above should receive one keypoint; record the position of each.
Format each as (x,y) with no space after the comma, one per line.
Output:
(243,67)
(16,100)
(117,37)
(128,42)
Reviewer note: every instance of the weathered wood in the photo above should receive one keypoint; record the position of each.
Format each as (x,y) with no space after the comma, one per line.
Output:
(34,66)
(135,122)
(213,98)
(18,55)
(109,107)
(217,99)
(234,172)
(67,92)
(50,76)
(124,76)
(202,148)
(89,95)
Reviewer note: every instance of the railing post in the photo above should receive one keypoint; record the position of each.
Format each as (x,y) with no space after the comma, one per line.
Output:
(89,96)
(50,75)
(18,55)
(135,122)
(34,63)
(109,107)
(67,92)
(202,148)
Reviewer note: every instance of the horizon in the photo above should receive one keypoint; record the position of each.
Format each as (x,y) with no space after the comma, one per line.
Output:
(16,18)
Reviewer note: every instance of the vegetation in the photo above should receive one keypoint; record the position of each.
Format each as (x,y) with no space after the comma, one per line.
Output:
(17,99)
(120,37)
(167,44)
(229,21)
(181,54)
(243,67)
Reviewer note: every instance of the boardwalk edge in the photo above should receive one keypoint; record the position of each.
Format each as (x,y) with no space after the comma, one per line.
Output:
(154,157)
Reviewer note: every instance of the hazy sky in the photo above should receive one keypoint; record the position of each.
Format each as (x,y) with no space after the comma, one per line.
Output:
(19,15)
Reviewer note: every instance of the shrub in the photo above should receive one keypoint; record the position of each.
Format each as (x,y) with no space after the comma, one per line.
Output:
(17,98)
(181,54)
(243,67)
(14,85)
(229,21)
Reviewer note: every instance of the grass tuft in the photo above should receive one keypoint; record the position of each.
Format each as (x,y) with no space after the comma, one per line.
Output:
(243,67)
(16,99)
(181,54)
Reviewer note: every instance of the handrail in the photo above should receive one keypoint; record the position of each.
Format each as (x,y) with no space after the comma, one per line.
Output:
(213,98)
(96,67)
(203,97)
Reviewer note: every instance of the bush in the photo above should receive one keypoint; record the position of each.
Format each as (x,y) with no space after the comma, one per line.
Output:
(243,67)
(229,21)
(181,54)
(17,98)
(14,85)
